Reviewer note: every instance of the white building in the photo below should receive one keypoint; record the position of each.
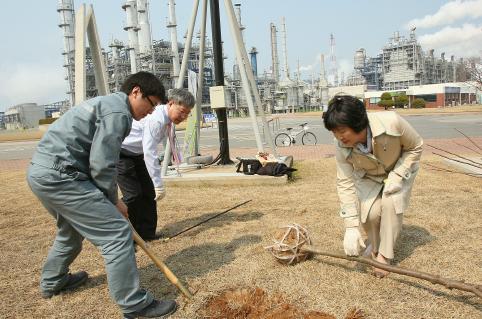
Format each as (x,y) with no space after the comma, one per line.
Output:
(23,116)
(434,95)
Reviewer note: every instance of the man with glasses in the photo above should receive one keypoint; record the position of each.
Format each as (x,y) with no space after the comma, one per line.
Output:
(73,173)
(138,169)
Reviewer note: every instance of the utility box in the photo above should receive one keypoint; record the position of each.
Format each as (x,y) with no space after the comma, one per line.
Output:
(219,97)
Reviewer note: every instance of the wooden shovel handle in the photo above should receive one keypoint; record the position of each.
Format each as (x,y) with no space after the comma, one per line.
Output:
(165,270)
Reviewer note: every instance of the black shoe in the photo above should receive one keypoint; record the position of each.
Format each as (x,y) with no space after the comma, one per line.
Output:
(150,237)
(157,309)
(74,280)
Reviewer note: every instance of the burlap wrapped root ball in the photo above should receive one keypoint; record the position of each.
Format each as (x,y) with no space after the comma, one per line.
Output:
(287,245)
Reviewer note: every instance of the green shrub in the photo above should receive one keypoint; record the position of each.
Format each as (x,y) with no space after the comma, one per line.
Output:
(401,101)
(418,103)
(386,96)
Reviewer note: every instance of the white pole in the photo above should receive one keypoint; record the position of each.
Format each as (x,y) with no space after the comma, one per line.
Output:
(199,90)
(79,73)
(100,72)
(242,70)
(250,75)
(187,46)
(180,80)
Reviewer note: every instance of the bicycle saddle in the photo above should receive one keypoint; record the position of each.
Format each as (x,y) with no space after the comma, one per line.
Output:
(303,124)
(289,128)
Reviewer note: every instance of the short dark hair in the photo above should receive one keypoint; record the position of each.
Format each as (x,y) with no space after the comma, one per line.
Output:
(346,110)
(182,97)
(147,82)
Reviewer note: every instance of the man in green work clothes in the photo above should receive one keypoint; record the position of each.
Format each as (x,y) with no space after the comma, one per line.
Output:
(73,173)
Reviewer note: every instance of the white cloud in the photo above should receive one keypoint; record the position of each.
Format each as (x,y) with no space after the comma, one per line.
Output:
(449,13)
(35,83)
(310,67)
(462,41)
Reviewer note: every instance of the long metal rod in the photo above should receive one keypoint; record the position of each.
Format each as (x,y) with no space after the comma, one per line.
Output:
(199,91)
(458,161)
(469,139)
(204,221)
(242,70)
(441,169)
(467,159)
(79,59)
(100,72)
(468,148)
(249,72)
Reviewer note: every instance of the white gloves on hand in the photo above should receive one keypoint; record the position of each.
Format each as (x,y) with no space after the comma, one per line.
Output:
(160,193)
(353,242)
(393,183)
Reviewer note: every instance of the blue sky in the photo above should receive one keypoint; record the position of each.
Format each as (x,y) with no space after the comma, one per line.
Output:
(31,62)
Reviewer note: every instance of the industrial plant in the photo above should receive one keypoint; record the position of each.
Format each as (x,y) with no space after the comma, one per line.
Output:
(401,66)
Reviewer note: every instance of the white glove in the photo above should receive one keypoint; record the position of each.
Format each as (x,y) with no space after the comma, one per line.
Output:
(393,183)
(160,193)
(353,242)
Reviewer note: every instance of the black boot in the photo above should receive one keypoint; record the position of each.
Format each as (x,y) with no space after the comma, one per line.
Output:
(157,309)
(73,281)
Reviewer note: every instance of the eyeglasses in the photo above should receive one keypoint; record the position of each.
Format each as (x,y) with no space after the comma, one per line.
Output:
(150,101)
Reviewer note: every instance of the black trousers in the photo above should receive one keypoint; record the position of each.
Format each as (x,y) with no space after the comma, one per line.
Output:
(138,193)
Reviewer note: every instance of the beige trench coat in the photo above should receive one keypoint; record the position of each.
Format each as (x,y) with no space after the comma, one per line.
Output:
(397,147)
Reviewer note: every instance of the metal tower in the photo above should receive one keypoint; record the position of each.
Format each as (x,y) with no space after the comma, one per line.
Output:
(132,28)
(67,24)
(274,53)
(334,67)
(254,61)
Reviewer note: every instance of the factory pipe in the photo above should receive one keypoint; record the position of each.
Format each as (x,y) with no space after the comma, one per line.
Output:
(172,26)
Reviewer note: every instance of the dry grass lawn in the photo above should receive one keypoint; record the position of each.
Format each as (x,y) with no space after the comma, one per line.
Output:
(21,135)
(442,235)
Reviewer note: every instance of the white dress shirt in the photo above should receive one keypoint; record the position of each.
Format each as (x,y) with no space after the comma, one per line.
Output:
(144,138)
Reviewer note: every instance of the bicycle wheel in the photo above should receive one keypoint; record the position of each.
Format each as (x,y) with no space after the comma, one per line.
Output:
(308,139)
(282,140)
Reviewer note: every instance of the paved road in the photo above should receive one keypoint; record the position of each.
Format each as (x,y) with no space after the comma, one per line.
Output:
(428,126)
(241,132)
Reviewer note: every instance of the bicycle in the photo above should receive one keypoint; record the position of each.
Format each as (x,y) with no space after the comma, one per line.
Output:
(286,139)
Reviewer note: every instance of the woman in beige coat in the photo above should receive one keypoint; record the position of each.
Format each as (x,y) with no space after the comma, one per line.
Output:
(377,157)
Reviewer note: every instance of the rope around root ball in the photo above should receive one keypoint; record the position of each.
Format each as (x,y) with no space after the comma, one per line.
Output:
(287,244)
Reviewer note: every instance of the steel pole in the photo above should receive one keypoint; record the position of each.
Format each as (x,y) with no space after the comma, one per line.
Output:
(219,80)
